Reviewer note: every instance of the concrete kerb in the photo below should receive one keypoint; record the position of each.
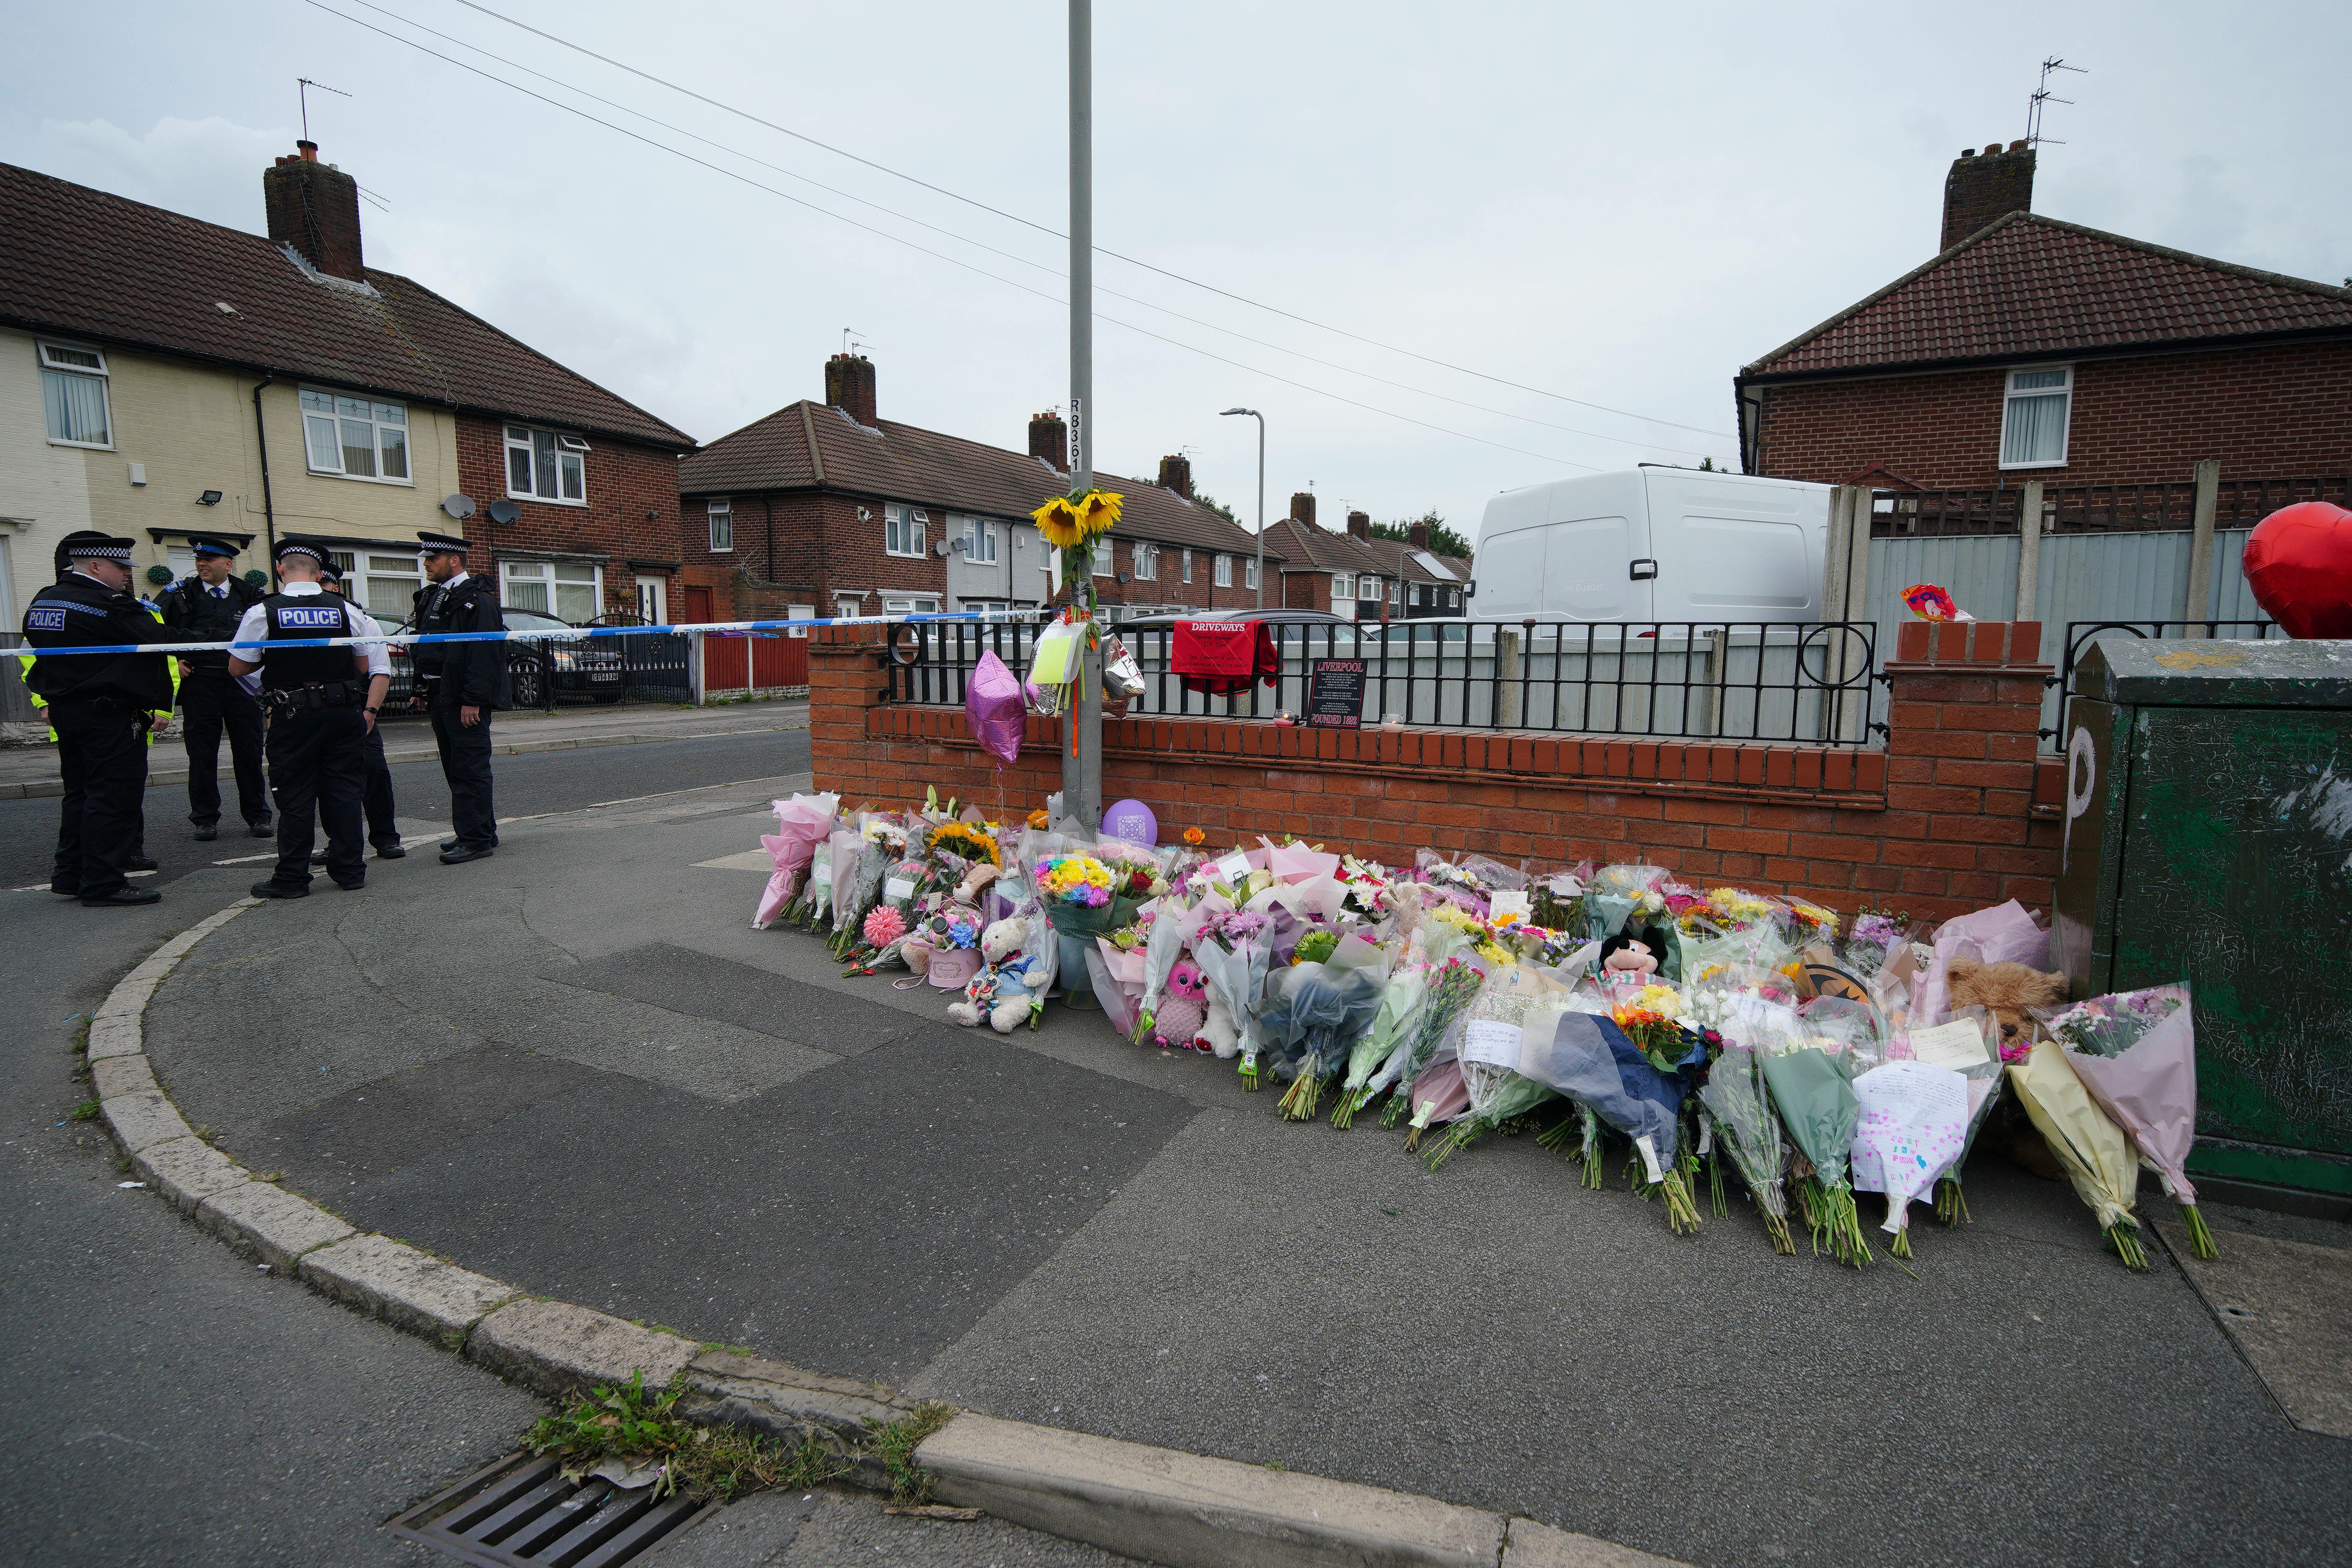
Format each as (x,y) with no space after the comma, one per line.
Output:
(1157,1504)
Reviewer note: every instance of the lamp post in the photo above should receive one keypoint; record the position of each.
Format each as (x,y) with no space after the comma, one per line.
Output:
(1082,758)
(1261,498)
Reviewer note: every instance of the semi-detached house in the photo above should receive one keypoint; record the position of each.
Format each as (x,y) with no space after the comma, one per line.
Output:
(825,508)
(162,378)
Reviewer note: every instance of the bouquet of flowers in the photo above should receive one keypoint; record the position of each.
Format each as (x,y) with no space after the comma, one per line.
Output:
(1913,1128)
(1455,978)
(1326,1006)
(1587,1058)
(1161,948)
(802,823)
(1437,1096)
(1555,897)
(970,842)
(1234,956)
(1872,940)
(880,843)
(1401,1000)
(2135,1052)
(1739,1109)
(1813,924)
(1517,1001)
(2099,1158)
(1618,896)
(1814,1095)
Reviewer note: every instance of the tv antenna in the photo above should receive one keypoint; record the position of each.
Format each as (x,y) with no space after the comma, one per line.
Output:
(848,333)
(2042,95)
(302,89)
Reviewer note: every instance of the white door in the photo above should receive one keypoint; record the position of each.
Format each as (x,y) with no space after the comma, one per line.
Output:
(652,601)
(1736,549)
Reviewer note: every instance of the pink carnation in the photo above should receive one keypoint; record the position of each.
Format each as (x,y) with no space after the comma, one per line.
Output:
(884,926)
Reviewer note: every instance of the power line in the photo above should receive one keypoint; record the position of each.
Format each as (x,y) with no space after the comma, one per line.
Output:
(1647,446)
(953,261)
(1043,228)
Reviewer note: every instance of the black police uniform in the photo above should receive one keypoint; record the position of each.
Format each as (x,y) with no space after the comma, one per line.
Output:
(318,762)
(212,702)
(462,674)
(99,705)
(383,827)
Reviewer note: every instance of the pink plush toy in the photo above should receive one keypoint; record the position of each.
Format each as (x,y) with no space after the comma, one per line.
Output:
(1183,1009)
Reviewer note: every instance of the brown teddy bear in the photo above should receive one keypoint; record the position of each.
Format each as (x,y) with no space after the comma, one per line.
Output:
(2007,991)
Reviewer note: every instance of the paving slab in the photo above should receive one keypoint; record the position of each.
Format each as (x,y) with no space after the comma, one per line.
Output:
(264,1223)
(430,1298)
(2288,1305)
(142,1117)
(112,1077)
(706,987)
(187,1171)
(555,1347)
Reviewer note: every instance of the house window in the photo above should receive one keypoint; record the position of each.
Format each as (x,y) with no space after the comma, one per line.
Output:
(848,604)
(1222,572)
(980,540)
(390,585)
(1368,589)
(1392,591)
(1343,585)
(902,530)
(799,613)
(1186,565)
(911,605)
(721,510)
(1249,571)
(2033,419)
(543,465)
(73,395)
(569,590)
(1105,558)
(356,437)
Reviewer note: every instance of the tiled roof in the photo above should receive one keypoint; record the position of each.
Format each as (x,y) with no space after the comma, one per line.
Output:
(1397,557)
(80,262)
(1314,548)
(2030,287)
(925,468)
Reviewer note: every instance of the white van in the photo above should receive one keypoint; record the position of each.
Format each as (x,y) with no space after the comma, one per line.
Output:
(1653,545)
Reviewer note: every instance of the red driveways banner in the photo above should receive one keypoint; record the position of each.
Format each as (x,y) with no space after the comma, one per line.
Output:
(1218,656)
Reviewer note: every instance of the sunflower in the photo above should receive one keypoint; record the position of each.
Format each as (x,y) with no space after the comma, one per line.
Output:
(1068,522)
(963,839)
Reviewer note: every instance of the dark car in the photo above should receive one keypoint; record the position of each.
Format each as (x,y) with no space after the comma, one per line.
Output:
(577,667)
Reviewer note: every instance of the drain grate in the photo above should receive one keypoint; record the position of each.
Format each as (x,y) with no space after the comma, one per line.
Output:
(521,1512)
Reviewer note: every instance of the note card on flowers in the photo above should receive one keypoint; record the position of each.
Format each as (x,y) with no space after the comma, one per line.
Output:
(1958,1044)
(1494,1043)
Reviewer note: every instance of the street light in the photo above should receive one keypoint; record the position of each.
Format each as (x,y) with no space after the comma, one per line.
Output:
(1261,498)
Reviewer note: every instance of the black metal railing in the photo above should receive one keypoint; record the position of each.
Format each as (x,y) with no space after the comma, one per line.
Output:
(2155,506)
(2081,634)
(1743,681)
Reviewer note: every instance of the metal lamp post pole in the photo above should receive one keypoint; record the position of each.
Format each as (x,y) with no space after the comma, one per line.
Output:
(1261,500)
(1082,758)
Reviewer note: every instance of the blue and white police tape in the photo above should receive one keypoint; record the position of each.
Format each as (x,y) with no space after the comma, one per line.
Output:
(569,634)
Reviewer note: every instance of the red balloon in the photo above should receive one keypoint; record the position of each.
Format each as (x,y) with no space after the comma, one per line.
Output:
(2298,563)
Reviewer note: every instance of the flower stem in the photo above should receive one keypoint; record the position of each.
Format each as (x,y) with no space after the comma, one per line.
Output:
(1715,1181)
(1250,1079)
(2200,1240)
(2125,1235)
(1776,1227)
(1901,1246)
(1298,1102)
(1951,1204)
(1681,1213)
(1395,1109)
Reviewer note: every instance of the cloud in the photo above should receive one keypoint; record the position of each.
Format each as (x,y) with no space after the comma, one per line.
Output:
(209,168)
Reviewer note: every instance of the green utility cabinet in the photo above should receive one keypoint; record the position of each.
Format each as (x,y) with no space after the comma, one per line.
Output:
(2207,836)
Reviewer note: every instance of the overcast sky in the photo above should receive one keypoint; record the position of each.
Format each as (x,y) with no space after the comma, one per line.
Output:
(1617,204)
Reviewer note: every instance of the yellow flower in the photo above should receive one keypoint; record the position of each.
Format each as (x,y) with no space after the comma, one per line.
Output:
(1097,511)
(1058,521)
(1068,523)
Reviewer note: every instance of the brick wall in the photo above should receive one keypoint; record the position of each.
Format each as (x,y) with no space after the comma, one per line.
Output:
(2261,412)
(1942,822)
(632,513)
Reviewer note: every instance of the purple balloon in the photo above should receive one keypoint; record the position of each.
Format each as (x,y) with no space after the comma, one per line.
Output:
(1132,821)
(993,708)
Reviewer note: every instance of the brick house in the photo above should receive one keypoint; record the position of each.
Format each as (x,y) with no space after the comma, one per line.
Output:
(1340,573)
(2031,349)
(824,509)
(161,377)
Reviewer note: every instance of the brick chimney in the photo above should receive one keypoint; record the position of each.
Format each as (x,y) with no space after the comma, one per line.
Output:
(1050,438)
(315,209)
(849,386)
(1176,474)
(1359,524)
(1985,186)
(1302,506)
(1417,534)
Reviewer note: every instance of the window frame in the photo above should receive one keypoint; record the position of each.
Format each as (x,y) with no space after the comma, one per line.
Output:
(1343,584)
(2010,396)
(101,374)
(334,416)
(1221,570)
(911,604)
(714,510)
(914,526)
(1188,565)
(543,571)
(1147,561)
(1249,572)
(562,443)
(979,534)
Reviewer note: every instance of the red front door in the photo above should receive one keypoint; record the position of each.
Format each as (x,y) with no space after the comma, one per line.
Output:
(697,604)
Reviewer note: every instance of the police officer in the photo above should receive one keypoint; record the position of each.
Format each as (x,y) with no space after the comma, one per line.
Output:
(382,830)
(322,702)
(101,706)
(208,607)
(464,683)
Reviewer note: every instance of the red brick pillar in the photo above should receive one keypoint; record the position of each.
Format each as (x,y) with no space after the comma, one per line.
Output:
(1963,710)
(846,679)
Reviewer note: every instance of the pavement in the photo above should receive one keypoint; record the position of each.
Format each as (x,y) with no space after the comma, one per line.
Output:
(574,1068)
(32,771)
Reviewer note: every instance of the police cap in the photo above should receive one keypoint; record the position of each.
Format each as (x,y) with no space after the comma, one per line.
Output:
(90,545)
(302,545)
(220,547)
(429,544)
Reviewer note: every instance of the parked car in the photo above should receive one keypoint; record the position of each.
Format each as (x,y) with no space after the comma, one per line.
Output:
(1653,545)
(586,668)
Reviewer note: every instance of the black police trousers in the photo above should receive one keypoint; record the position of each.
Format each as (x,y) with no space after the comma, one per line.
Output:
(102,759)
(465,763)
(317,763)
(381,829)
(211,702)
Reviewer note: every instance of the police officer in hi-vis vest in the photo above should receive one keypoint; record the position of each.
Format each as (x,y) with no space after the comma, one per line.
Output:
(208,607)
(322,702)
(101,706)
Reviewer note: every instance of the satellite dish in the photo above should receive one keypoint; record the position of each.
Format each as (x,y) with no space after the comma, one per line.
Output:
(942,547)
(504,511)
(460,506)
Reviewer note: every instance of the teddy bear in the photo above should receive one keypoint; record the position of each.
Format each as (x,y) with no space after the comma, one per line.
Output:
(1218,1029)
(2009,991)
(975,882)
(1002,994)
(1182,1011)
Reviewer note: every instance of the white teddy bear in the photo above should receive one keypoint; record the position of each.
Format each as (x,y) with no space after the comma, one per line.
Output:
(1001,995)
